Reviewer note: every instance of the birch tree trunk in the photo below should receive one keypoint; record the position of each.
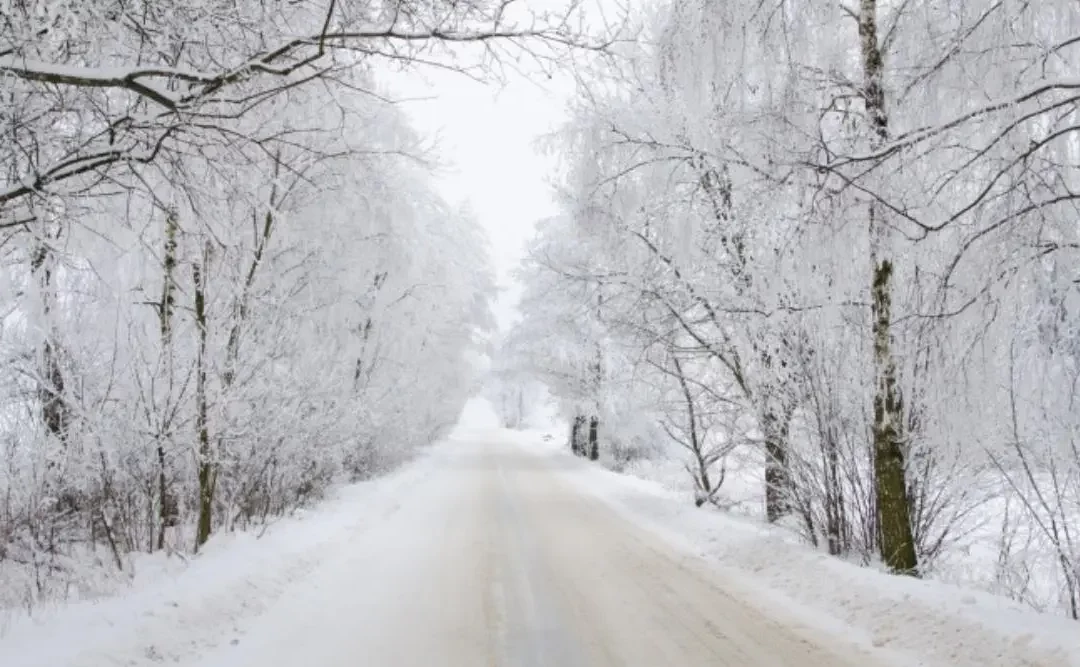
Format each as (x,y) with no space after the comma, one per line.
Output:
(894,512)
(207,465)
(167,510)
(775,424)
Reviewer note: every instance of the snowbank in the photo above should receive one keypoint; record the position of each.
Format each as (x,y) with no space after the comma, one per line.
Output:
(918,622)
(182,613)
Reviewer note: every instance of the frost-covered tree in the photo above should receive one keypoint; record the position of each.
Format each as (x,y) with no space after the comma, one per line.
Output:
(94,90)
(217,341)
(867,241)
(228,279)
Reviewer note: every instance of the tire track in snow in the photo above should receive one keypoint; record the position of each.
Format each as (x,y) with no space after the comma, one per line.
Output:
(536,635)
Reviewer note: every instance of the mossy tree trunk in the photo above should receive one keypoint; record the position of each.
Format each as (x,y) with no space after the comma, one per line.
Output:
(894,511)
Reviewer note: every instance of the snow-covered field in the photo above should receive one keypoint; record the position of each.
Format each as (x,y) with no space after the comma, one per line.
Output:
(247,585)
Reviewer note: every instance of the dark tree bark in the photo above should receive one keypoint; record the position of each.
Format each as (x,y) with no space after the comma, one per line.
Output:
(594,438)
(576,436)
(777,482)
(207,465)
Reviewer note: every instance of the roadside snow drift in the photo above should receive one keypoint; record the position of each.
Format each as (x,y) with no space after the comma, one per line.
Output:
(920,622)
(178,618)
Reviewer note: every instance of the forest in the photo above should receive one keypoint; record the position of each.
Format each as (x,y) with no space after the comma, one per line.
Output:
(828,251)
(228,281)
(821,250)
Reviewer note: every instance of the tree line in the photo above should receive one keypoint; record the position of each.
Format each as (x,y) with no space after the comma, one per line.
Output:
(832,246)
(228,278)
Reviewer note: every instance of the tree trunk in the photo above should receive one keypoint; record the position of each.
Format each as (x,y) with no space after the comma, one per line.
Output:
(835,520)
(598,383)
(575,435)
(207,465)
(704,488)
(55,413)
(777,502)
(894,511)
(594,439)
(167,511)
(365,331)
(240,308)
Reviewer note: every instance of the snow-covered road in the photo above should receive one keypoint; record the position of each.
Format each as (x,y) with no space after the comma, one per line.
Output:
(499,548)
(496,558)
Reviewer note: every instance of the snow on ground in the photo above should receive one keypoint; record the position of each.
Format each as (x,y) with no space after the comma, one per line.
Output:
(243,580)
(186,611)
(924,622)
(176,612)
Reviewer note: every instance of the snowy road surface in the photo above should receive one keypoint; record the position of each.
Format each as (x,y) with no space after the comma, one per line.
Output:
(496,559)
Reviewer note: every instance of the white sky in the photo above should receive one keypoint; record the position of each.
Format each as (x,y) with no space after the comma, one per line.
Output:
(487,136)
